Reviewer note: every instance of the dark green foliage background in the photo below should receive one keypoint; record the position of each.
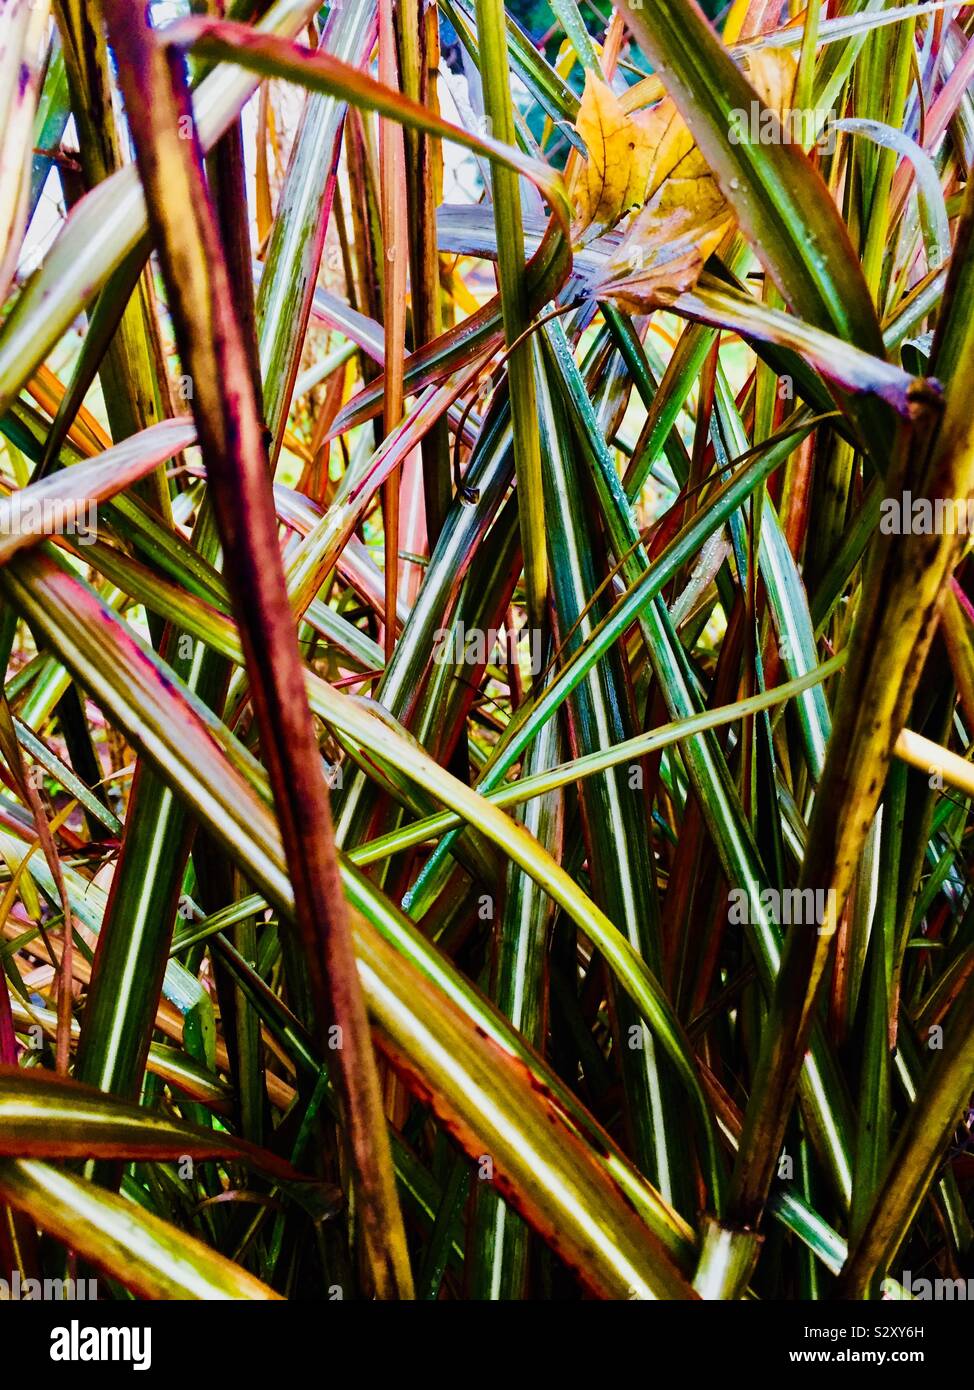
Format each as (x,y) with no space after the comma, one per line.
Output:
(537,18)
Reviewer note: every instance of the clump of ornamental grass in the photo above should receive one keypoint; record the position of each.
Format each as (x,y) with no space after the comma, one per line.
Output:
(484,746)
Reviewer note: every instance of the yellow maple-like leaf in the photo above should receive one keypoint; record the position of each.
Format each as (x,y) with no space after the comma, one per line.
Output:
(677,159)
(613,178)
(684,215)
(683,220)
(646,163)
(772,72)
